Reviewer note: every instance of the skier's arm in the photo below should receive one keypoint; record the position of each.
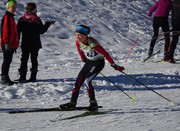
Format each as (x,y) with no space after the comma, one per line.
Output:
(43,28)
(101,50)
(153,9)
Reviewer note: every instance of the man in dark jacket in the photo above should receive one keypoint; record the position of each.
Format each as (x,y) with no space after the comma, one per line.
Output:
(31,27)
(176,29)
(9,39)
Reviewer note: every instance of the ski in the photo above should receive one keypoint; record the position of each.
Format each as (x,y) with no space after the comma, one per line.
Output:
(47,110)
(85,114)
(162,61)
(151,55)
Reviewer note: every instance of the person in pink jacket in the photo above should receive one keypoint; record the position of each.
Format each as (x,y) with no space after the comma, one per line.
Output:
(162,9)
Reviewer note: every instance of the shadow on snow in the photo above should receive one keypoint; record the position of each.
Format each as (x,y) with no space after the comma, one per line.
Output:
(154,81)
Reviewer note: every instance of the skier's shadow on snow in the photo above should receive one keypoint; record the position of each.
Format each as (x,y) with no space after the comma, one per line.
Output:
(154,81)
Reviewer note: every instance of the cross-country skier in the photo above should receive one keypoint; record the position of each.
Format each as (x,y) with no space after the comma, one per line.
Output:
(176,29)
(92,54)
(162,8)
(9,39)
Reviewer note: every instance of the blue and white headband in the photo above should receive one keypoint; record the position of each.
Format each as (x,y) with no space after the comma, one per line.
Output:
(82,29)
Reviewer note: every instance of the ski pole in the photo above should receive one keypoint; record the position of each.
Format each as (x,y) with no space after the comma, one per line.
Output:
(136,40)
(132,98)
(132,48)
(177,32)
(147,87)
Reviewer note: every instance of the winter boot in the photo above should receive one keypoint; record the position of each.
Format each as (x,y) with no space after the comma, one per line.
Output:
(93,105)
(5,80)
(22,78)
(68,106)
(33,76)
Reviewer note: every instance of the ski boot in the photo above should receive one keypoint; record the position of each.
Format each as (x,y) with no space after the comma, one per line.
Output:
(68,106)
(172,61)
(93,106)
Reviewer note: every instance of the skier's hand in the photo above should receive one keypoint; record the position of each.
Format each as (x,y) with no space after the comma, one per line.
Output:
(119,68)
(7,47)
(149,15)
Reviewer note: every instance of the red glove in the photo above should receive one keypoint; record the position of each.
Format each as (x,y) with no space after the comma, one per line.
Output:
(119,68)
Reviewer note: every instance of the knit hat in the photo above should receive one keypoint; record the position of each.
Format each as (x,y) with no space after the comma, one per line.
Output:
(83,29)
(10,3)
(31,7)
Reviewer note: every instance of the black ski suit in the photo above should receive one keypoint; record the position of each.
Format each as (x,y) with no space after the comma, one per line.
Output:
(176,27)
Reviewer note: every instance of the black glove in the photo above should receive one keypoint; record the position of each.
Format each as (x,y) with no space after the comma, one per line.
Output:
(49,22)
(7,47)
(119,68)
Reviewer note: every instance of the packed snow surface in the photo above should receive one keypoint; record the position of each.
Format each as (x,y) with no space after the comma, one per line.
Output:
(116,24)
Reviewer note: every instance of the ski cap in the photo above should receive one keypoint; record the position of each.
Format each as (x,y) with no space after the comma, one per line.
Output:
(10,3)
(83,29)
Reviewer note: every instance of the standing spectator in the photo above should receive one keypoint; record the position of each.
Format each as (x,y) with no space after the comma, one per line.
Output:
(176,29)
(162,8)
(10,42)
(31,27)
(92,54)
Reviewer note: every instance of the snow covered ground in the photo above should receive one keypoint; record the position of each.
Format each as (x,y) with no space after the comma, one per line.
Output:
(116,25)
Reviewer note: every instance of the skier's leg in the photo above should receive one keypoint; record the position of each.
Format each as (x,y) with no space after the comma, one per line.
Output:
(155,36)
